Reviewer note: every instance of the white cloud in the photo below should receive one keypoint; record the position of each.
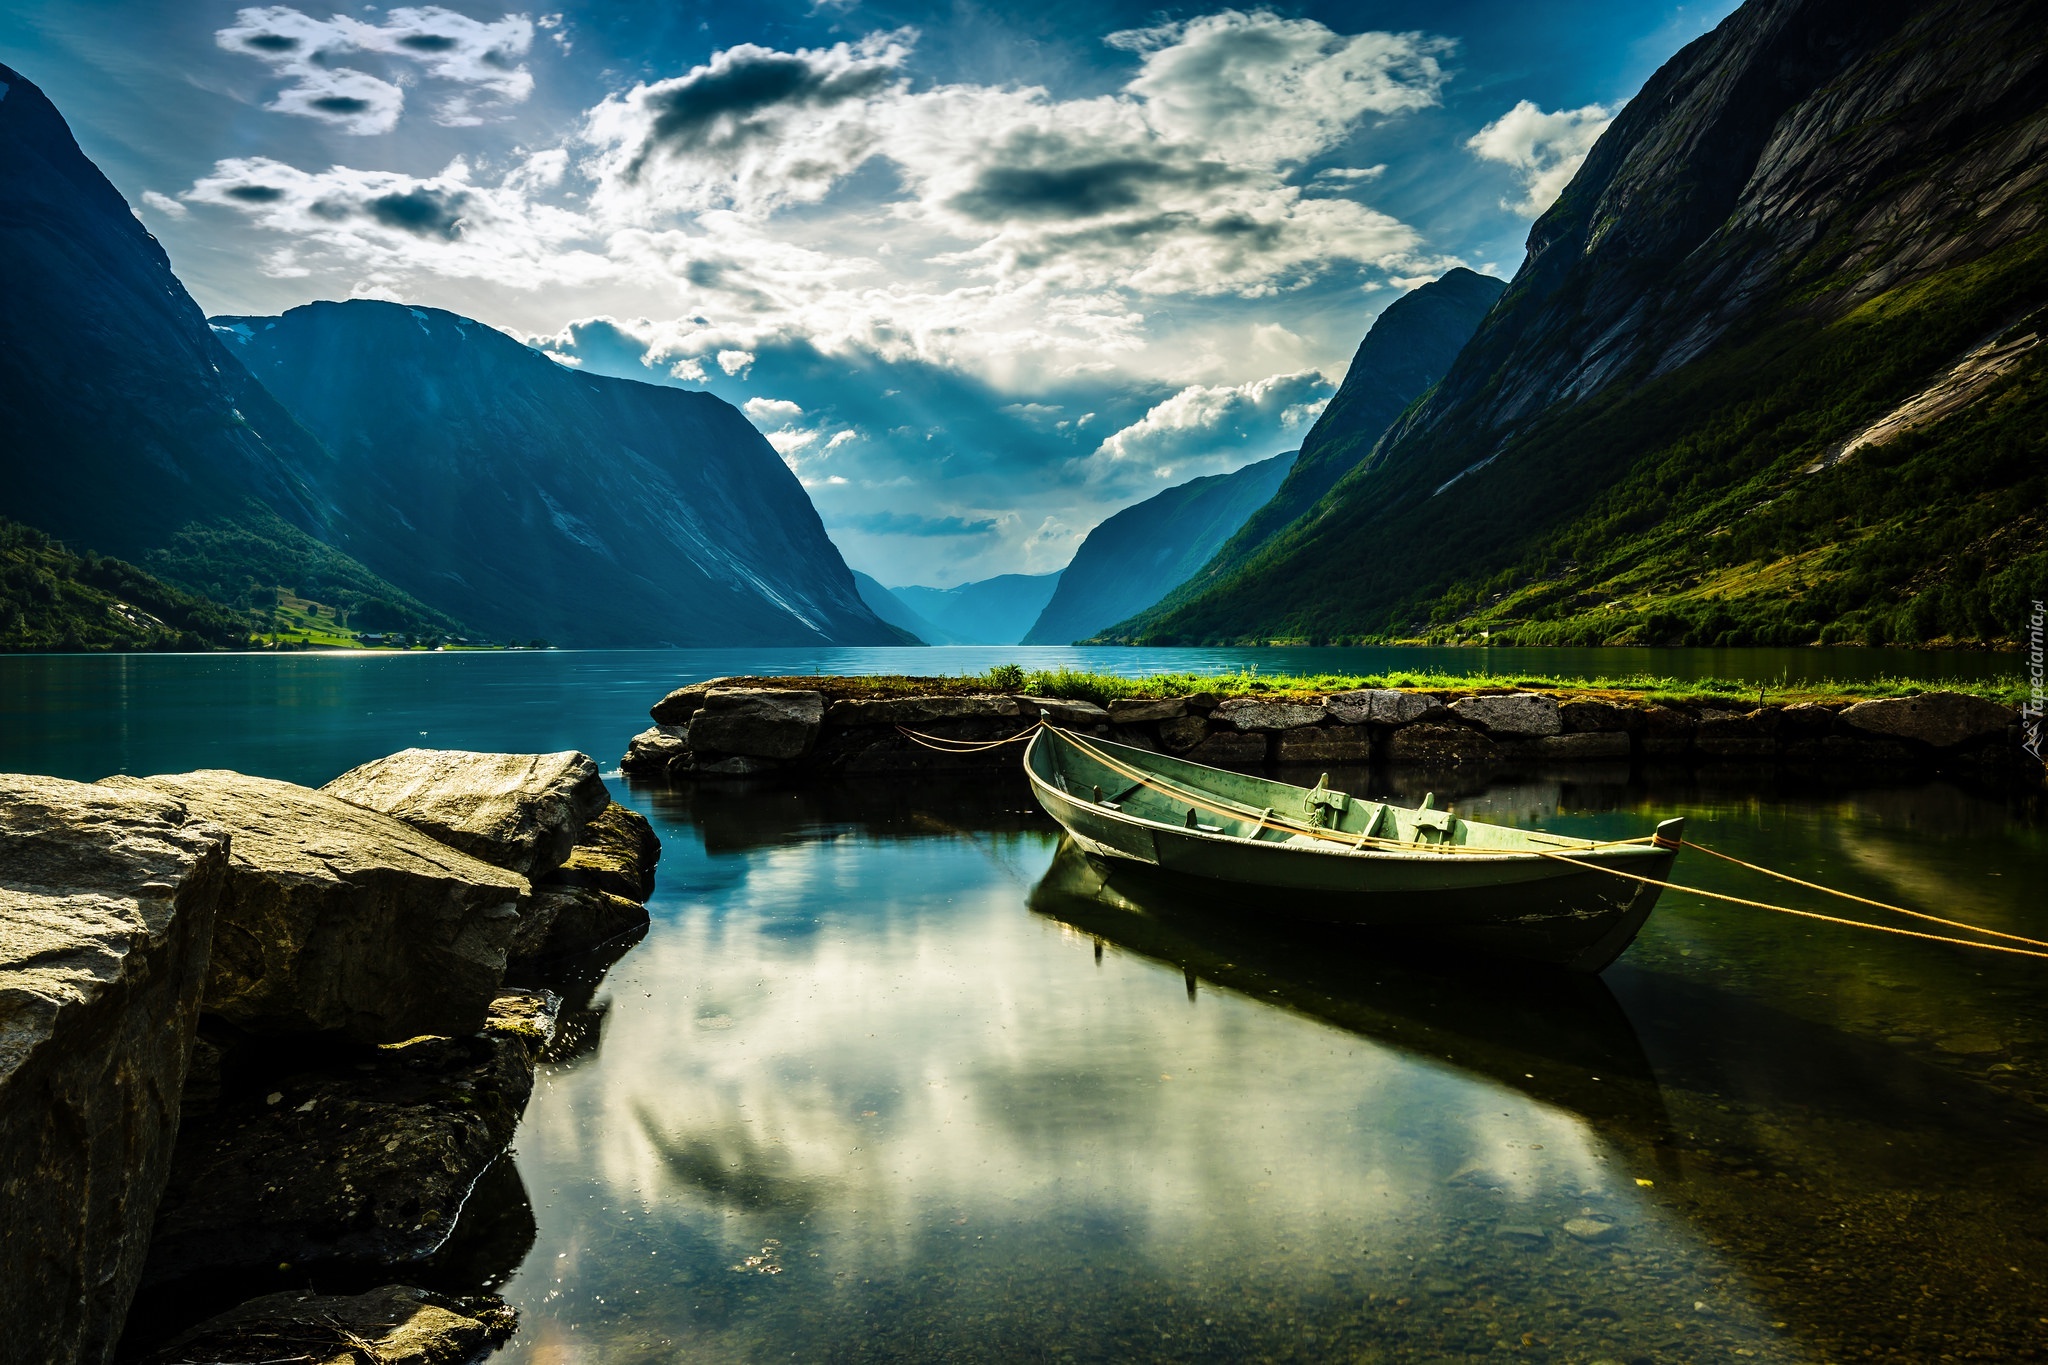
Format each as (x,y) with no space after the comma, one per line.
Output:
(1264,88)
(772,409)
(483,57)
(1544,150)
(164,204)
(1210,420)
(445,224)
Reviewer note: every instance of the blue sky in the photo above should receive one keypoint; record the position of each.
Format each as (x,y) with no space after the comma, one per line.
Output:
(982,273)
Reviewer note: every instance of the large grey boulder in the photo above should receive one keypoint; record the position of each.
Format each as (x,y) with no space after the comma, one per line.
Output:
(757,722)
(107,903)
(1251,713)
(654,750)
(598,895)
(521,812)
(1941,720)
(341,919)
(919,710)
(1381,706)
(394,1325)
(680,705)
(1517,715)
(344,1158)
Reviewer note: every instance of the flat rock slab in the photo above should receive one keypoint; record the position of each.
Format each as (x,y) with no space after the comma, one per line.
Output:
(1141,711)
(1381,706)
(616,853)
(757,722)
(1060,711)
(920,710)
(1518,715)
(394,1325)
(521,812)
(1941,720)
(358,1157)
(341,919)
(1249,713)
(107,904)
(1318,744)
(1435,745)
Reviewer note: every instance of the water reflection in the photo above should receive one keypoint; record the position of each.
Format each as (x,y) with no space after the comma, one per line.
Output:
(855,1101)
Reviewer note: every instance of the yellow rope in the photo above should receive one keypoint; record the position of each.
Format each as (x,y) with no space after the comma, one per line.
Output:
(1864,900)
(1803,914)
(945,745)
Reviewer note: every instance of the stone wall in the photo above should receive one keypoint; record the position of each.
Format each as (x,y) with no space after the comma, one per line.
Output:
(741,727)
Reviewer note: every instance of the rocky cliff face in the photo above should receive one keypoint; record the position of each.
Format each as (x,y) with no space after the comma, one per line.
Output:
(529,499)
(1806,218)
(127,421)
(1145,551)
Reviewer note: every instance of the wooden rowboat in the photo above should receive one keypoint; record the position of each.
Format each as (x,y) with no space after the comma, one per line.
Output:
(1271,848)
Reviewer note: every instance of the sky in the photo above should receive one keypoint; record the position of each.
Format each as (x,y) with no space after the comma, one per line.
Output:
(982,274)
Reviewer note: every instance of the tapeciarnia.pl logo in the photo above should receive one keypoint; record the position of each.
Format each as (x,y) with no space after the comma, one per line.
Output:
(2037,675)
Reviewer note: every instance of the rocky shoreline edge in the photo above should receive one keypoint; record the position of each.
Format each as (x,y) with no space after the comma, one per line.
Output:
(263,1048)
(742,727)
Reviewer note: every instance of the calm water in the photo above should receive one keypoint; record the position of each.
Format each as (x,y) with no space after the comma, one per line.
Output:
(892,1077)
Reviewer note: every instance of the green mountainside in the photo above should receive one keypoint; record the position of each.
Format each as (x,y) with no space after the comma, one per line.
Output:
(52,599)
(1770,374)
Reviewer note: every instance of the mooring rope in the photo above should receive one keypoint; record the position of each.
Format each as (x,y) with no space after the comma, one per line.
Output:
(1865,900)
(1264,820)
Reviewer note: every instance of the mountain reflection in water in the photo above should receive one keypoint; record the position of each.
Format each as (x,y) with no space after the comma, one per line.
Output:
(896,1076)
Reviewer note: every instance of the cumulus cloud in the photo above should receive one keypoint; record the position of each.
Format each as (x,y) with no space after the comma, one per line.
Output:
(317,56)
(753,129)
(910,524)
(163,203)
(1544,150)
(447,223)
(1211,420)
(772,409)
(1274,89)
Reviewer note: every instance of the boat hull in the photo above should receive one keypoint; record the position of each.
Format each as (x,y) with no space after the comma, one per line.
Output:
(1555,910)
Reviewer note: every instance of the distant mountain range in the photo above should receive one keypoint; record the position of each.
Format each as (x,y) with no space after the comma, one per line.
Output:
(1134,558)
(418,462)
(527,498)
(992,611)
(1771,372)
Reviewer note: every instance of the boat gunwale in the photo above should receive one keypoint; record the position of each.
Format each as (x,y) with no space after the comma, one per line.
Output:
(1335,847)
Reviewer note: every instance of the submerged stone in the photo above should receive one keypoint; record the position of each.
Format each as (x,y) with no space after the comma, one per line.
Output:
(394,1325)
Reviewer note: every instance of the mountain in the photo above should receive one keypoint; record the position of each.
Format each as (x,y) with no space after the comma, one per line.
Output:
(994,611)
(1139,555)
(530,499)
(52,599)
(892,610)
(129,427)
(1770,372)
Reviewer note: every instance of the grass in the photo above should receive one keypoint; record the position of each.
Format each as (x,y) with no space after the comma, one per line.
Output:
(1103,688)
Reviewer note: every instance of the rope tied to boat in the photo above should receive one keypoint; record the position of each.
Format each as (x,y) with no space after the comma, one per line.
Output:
(944,744)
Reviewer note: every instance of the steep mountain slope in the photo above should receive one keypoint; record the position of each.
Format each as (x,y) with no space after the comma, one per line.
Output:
(1142,553)
(530,499)
(992,611)
(892,610)
(1810,219)
(127,422)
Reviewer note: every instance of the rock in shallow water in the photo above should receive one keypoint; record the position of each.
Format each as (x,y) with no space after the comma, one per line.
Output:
(395,1325)
(521,812)
(356,1156)
(107,901)
(1941,720)
(340,919)
(616,853)
(757,722)
(1518,715)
